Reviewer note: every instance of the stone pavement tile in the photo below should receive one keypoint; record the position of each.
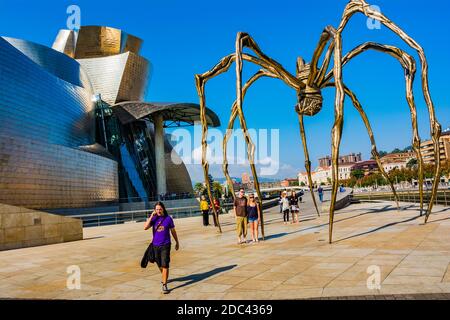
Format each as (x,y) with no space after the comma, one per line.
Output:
(122,288)
(334,259)
(317,271)
(348,291)
(273,261)
(418,271)
(104,283)
(142,283)
(444,286)
(336,283)
(277,276)
(446,277)
(441,253)
(409,289)
(232,280)
(412,280)
(255,284)
(244,273)
(127,277)
(252,267)
(320,253)
(309,280)
(20,277)
(247,295)
(291,267)
(353,252)
(199,296)
(206,287)
(281,293)
(108,274)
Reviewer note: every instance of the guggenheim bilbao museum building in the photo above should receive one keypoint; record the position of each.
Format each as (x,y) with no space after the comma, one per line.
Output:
(75,130)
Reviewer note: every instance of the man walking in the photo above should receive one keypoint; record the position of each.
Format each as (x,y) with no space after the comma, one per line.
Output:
(320,192)
(240,213)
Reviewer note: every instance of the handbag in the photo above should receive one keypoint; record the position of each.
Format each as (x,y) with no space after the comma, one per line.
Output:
(149,254)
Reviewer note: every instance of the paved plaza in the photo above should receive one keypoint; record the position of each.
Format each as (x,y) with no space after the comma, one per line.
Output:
(294,262)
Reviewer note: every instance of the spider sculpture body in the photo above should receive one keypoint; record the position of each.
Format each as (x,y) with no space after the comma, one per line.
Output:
(308,83)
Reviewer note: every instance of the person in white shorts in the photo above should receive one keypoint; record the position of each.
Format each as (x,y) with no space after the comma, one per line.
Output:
(293,202)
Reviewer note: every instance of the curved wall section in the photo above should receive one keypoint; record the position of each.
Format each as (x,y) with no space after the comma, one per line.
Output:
(38,175)
(122,77)
(101,41)
(57,63)
(39,105)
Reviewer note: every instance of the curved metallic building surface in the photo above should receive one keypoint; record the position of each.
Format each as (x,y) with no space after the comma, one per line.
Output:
(101,41)
(58,64)
(130,111)
(47,113)
(117,78)
(60,147)
(39,175)
(177,175)
(37,104)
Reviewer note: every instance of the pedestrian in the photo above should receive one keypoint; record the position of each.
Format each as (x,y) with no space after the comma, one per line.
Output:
(254,216)
(204,207)
(320,192)
(293,202)
(240,213)
(285,207)
(162,226)
(217,207)
(281,203)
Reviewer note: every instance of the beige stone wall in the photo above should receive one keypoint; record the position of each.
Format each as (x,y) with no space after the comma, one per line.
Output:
(21,227)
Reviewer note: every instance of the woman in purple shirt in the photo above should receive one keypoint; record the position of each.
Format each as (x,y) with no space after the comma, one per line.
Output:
(162,226)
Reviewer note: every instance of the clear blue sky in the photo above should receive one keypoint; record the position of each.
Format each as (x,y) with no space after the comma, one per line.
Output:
(182,38)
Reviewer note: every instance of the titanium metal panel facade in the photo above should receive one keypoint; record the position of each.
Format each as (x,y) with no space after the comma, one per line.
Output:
(122,77)
(100,41)
(38,175)
(46,113)
(36,104)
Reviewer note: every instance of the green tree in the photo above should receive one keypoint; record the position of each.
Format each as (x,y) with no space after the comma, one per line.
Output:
(411,163)
(217,189)
(198,188)
(357,174)
(408,149)
(302,184)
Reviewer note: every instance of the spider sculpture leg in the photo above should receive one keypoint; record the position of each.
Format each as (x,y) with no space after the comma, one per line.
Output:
(375,153)
(307,161)
(336,133)
(223,65)
(200,81)
(314,75)
(409,65)
(362,6)
(251,147)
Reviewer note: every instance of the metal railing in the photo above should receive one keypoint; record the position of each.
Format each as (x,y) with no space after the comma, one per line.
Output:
(108,218)
(120,217)
(442,198)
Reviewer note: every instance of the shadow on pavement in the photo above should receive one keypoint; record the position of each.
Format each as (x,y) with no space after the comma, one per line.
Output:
(377,229)
(193,278)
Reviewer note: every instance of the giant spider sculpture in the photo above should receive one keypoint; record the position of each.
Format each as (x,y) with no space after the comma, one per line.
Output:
(308,83)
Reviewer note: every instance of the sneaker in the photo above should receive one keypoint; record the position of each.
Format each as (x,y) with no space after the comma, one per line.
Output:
(165,290)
